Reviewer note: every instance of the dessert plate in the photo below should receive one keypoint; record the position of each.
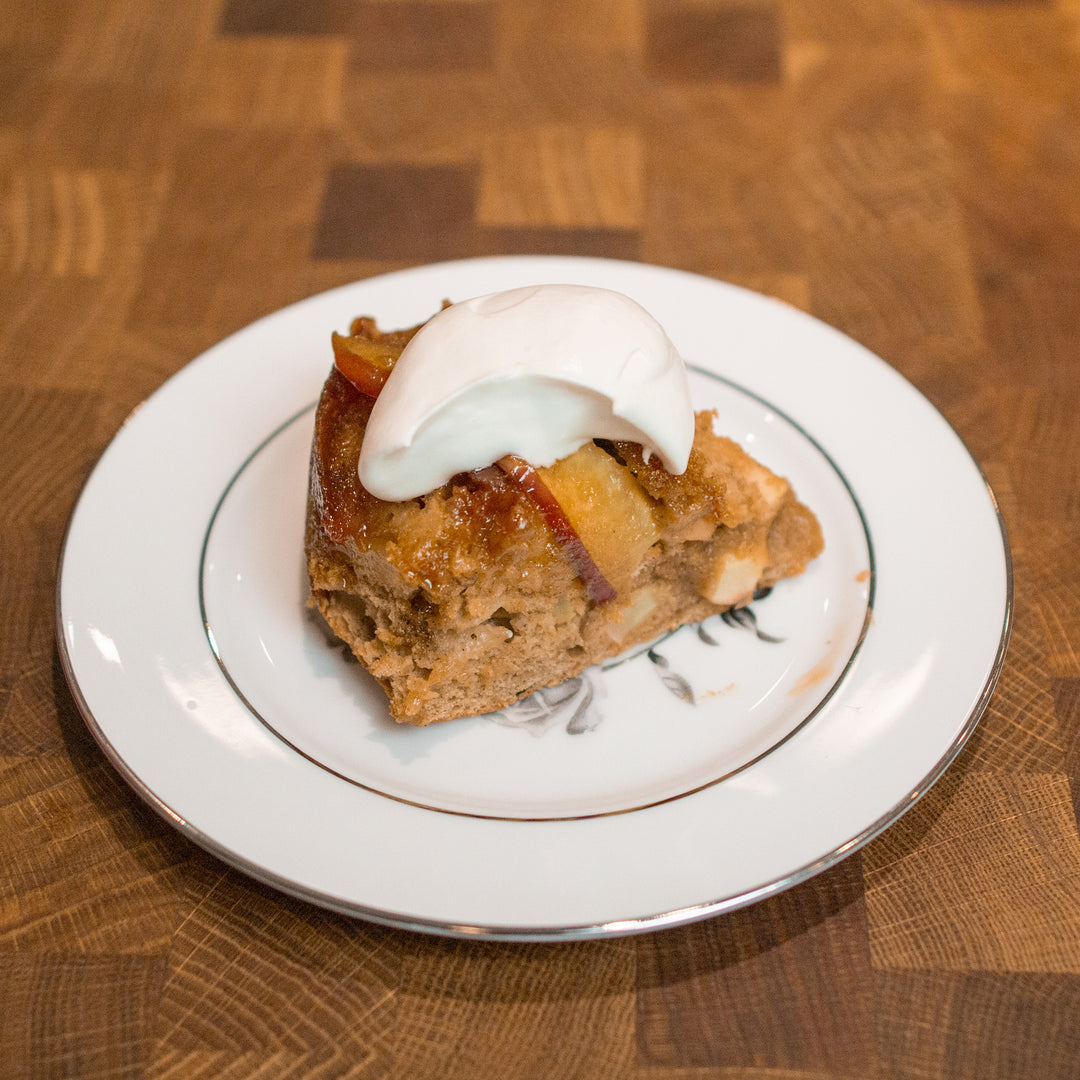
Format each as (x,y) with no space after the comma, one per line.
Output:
(662,722)
(723,763)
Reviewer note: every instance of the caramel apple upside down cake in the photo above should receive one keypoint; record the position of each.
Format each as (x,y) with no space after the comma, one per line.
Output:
(518,489)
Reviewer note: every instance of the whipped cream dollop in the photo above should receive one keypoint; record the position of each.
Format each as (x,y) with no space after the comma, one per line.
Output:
(537,372)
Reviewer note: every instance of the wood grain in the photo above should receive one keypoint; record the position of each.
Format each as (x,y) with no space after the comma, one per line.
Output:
(980,911)
(906,171)
(760,988)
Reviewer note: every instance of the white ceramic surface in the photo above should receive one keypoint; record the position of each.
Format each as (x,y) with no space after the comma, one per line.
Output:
(718,769)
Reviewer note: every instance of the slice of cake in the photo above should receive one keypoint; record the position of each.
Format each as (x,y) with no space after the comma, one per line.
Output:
(545,551)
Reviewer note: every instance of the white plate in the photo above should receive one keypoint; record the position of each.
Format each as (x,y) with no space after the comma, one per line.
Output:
(725,763)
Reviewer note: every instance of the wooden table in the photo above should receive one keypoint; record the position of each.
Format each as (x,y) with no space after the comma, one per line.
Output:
(908,172)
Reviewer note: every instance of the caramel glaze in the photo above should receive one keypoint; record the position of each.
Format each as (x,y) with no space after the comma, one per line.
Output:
(482,511)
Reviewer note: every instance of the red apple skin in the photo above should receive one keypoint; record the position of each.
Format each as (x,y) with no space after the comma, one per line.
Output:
(523,474)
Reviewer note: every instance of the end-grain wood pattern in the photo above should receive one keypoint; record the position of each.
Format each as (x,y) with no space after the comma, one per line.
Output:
(909,172)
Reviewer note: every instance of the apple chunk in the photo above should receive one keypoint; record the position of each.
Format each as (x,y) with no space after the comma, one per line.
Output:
(528,479)
(366,364)
(608,509)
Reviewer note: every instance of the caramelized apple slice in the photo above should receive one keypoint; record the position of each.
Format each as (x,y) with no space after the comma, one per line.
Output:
(366,364)
(523,474)
(607,508)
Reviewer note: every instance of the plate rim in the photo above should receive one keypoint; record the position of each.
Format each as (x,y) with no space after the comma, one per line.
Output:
(553,932)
